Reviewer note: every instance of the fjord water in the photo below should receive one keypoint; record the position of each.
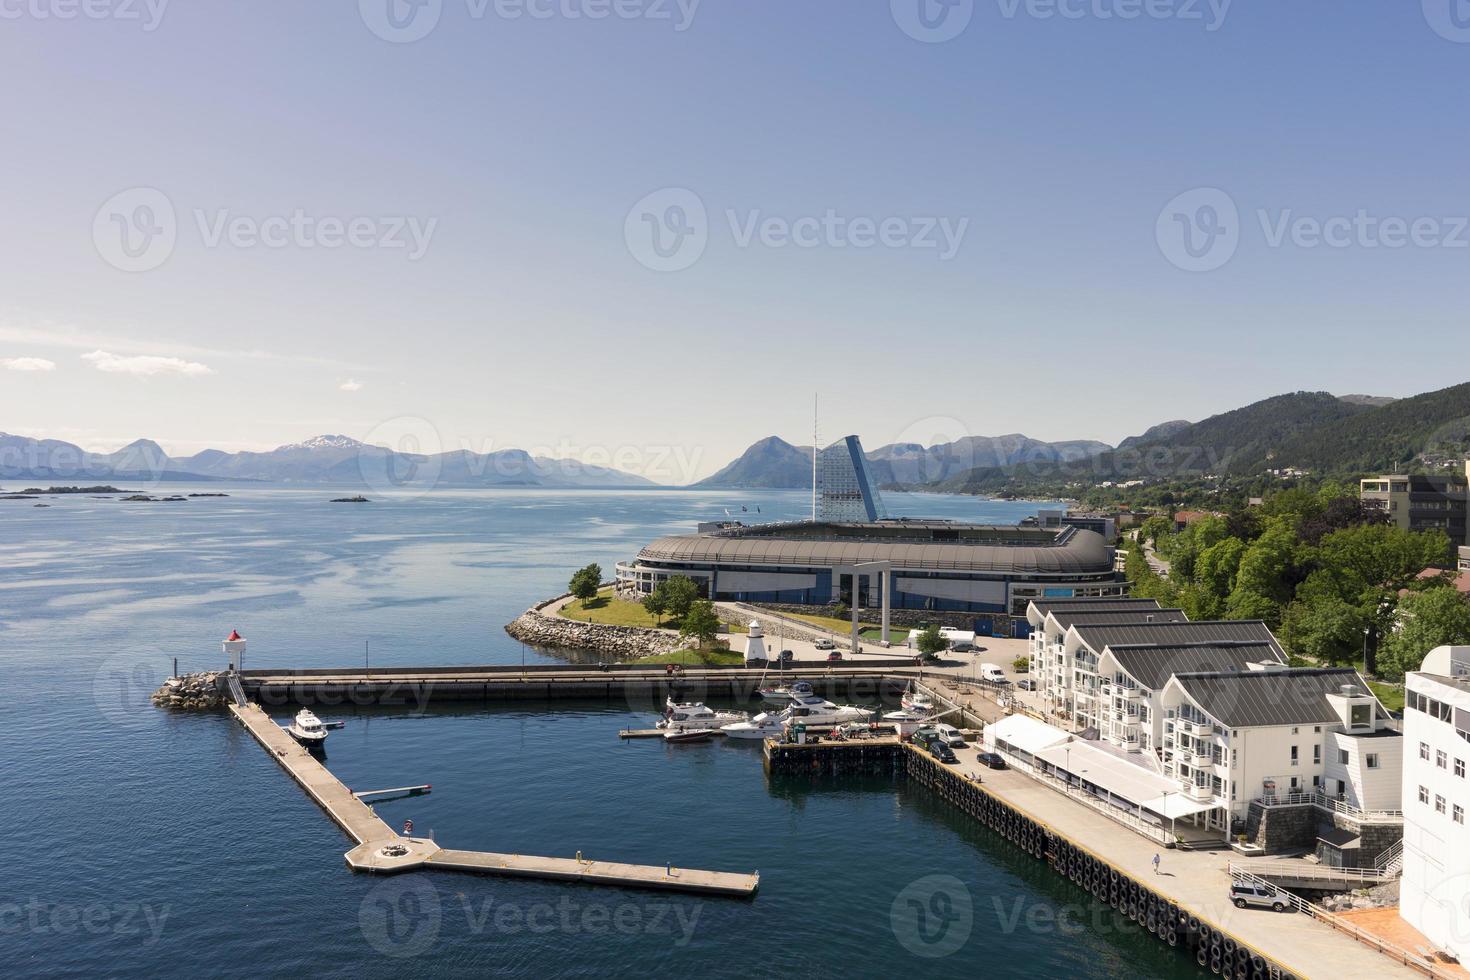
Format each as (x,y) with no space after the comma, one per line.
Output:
(148,843)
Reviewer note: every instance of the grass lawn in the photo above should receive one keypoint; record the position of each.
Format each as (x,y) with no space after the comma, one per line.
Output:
(695,658)
(611,611)
(1392,695)
(843,627)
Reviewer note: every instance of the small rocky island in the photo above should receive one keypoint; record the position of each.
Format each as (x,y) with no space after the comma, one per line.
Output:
(143,498)
(57,491)
(352,500)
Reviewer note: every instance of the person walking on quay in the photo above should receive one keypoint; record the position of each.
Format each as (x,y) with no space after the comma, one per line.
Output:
(1156,863)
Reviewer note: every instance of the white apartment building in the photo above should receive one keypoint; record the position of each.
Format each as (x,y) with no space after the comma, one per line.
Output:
(1270,731)
(1053,663)
(1434,895)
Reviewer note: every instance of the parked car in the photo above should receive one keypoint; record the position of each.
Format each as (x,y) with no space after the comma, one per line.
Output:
(825,643)
(940,751)
(993,760)
(835,655)
(1262,896)
(787,656)
(950,735)
(963,646)
(923,735)
(1026,685)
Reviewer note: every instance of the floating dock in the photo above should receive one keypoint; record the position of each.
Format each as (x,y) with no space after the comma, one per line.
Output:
(379,849)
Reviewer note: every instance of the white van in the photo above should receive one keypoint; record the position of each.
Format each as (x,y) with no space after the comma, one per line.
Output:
(992,674)
(950,735)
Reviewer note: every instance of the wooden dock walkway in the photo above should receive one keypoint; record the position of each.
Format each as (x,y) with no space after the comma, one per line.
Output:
(380,849)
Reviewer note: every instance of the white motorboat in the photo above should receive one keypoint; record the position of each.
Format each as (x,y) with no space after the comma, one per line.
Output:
(906,722)
(917,702)
(817,711)
(307,729)
(784,695)
(687,734)
(680,717)
(767,724)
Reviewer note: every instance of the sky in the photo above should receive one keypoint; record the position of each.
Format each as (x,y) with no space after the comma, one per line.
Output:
(645,231)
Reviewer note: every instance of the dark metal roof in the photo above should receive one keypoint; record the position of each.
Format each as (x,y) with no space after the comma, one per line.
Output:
(1117,617)
(1080,552)
(1176,634)
(1252,698)
(1340,839)
(1152,666)
(1109,604)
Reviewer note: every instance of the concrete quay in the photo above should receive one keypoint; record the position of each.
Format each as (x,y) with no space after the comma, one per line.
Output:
(380,850)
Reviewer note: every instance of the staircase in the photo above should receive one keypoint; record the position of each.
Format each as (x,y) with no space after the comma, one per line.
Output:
(1390,863)
(232,681)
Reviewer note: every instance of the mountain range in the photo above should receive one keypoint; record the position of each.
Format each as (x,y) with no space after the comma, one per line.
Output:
(330,459)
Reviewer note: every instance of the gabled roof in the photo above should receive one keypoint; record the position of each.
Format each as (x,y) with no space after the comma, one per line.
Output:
(1110,603)
(1178,634)
(1152,666)
(1252,698)
(1118,617)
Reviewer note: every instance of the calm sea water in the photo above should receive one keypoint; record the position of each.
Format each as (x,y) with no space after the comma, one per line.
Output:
(146,843)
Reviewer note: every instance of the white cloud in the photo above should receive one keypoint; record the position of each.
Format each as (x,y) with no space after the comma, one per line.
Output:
(27,364)
(350,385)
(145,365)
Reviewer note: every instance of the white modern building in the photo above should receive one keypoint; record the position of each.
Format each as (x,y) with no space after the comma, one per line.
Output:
(1434,896)
(845,488)
(1271,732)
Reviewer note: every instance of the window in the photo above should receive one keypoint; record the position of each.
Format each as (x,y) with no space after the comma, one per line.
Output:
(1294,760)
(1316,755)
(1295,784)
(1424,751)
(1342,756)
(1423,795)
(1460,768)
(1372,760)
(1459,814)
(1316,782)
(1440,759)
(1293,730)
(1438,804)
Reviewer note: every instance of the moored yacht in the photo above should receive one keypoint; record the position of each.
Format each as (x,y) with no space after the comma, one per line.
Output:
(905,722)
(813,710)
(681,717)
(767,724)
(783,695)
(915,701)
(307,729)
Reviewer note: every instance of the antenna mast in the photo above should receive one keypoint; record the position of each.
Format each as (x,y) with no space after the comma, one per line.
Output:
(816,447)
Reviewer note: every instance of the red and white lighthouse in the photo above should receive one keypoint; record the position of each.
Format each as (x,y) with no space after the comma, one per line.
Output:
(235,649)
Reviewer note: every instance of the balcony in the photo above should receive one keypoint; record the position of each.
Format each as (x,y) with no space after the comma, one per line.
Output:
(1199,729)
(1200,760)
(1196,792)
(1121,691)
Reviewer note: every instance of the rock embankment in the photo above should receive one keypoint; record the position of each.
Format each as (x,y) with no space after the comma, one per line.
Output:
(192,692)
(539,628)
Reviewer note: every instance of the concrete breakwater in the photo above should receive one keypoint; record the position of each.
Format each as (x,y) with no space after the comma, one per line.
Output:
(539,628)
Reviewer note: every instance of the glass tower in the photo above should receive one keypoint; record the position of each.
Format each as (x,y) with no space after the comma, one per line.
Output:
(845,488)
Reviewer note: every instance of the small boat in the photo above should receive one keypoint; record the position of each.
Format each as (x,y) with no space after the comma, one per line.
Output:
(687,734)
(307,729)
(697,715)
(817,711)
(917,702)
(783,695)
(764,725)
(905,722)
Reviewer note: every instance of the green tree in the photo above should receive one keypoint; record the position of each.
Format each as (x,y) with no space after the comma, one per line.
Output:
(586,581)
(1435,617)
(680,593)
(1266,578)
(1214,578)
(930,642)
(656,603)
(1325,631)
(700,622)
(1155,529)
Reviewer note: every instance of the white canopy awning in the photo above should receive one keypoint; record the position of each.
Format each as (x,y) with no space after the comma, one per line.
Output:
(1125,781)
(1025,733)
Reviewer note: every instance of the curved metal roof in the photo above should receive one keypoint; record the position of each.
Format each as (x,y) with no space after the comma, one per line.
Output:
(1082,552)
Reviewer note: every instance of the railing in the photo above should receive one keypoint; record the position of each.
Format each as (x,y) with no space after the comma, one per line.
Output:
(1331,804)
(1391,861)
(1412,960)
(1302,871)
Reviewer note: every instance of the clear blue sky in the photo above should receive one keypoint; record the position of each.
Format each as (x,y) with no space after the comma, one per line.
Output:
(530,321)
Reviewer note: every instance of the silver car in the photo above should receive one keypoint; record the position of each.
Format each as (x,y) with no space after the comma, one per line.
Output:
(1245,894)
